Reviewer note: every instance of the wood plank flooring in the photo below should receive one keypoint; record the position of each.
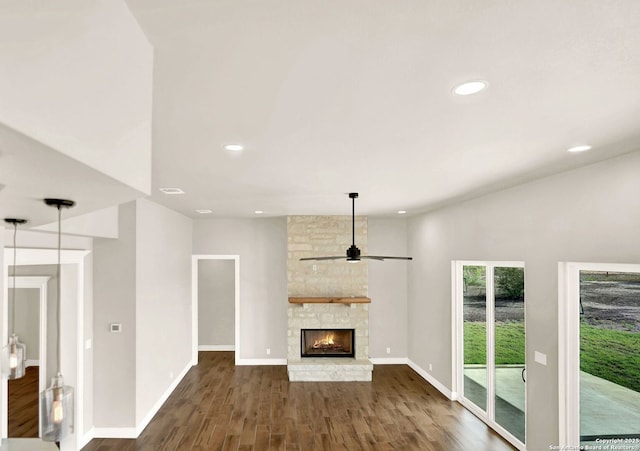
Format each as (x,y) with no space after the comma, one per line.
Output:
(218,406)
(23,404)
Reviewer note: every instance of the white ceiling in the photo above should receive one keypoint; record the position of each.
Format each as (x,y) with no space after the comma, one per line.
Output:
(335,96)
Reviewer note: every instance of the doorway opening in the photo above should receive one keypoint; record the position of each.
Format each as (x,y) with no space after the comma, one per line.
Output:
(217,279)
(72,333)
(31,325)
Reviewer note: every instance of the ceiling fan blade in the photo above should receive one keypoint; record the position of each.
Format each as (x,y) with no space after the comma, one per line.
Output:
(324,258)
(384,257)
(353,253)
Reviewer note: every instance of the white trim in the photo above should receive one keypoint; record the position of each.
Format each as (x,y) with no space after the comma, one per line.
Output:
(487,417)
(39,283)
(569,344)
(389,360)
(115,433)
(87,437)
(471,407)
(194,302)
(490,310)
(28,257)
(154,410)
(216,348)
(456,330)
(243,362)
(432,380)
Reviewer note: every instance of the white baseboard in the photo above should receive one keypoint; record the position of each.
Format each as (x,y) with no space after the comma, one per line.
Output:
(433,381)
(29,363)
(114,433)
(134,432)
(242,362)
(216,347)
(86,438)
(389,360)
(149,416)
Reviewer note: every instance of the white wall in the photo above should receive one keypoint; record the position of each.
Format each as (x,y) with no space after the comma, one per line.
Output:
(88,334)
(142,280)
(77,76)
(262,246)
(27,319)
(114,279)
(163,301)
(388,288)
(216,302)
(50,271)
(589,214)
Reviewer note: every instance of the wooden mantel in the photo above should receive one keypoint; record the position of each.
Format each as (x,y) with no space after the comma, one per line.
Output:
(325,300)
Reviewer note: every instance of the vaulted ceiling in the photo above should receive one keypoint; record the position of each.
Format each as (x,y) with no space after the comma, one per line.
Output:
(337,96)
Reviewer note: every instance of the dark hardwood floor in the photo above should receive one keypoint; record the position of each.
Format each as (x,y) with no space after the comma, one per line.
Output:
(23,404)
(218,406)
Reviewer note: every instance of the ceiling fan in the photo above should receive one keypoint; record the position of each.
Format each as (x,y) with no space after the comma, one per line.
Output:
(353,253)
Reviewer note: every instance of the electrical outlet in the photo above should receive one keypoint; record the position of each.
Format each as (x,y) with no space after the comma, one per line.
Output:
(170,374)
(430,367)
(388,350)
(268,351)
(315,268)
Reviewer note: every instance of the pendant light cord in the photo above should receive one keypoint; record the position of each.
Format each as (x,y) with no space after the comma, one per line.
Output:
(13,293)
(58,301)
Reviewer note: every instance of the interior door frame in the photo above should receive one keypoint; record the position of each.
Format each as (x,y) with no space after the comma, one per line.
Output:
(71,335)
(458,330)
(40,283)
(195,259)
(569,344)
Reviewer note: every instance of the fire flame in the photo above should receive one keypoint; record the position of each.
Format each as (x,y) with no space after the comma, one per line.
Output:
(326,341)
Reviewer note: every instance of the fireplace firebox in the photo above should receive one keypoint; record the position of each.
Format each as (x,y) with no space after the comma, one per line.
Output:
(327,343)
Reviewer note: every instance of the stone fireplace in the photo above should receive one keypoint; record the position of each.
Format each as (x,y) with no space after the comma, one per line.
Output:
(327,295)
(312,314)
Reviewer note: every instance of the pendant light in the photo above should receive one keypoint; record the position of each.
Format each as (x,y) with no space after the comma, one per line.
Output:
(57,409)
(14,354)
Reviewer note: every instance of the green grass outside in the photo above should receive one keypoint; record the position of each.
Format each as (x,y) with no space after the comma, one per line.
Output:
(509,343)
(613,355)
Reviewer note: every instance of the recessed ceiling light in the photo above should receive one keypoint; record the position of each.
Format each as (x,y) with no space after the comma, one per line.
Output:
(581,148)
(258,212)
(402,212)
(204,211)
(172,190)
(470,87)
(234,147)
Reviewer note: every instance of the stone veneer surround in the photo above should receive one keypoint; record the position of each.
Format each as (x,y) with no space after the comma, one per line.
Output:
(309,236)
(329,316)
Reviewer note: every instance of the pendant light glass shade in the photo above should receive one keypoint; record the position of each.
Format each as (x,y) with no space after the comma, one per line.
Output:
(14,354)
(57,403)
(57,411)
(13,358)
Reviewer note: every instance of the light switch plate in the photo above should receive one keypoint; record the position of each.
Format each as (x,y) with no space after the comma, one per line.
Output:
(540,358)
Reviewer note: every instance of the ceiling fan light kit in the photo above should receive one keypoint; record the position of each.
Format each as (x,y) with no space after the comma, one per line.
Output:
(353,253)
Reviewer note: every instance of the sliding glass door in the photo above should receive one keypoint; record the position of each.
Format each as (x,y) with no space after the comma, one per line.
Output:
(599,345)
(491,344)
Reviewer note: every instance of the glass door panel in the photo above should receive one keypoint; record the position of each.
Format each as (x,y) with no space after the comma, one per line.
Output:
(474,308)
(509,355)
(609,357)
